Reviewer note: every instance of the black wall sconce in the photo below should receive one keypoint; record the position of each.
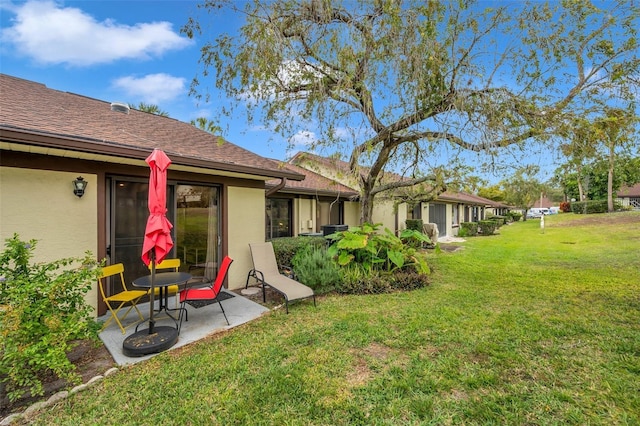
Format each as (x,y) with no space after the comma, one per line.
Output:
(79,186)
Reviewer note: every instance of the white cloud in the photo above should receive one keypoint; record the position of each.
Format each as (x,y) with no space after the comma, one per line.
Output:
(53,34)
(303,138)
(152,88)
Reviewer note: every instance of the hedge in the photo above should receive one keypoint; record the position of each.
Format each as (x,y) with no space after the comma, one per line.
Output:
(500,220)
(468,229)
(415,224)
(488,227)
(593,206)
(515,216)
(287,247)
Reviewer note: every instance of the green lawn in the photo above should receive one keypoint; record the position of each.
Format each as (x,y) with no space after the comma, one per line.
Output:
(524,327)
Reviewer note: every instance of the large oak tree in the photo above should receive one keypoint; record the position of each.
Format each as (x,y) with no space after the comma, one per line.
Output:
(393,83)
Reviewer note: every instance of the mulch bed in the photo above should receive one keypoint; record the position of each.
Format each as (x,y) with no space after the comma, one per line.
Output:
(91,359)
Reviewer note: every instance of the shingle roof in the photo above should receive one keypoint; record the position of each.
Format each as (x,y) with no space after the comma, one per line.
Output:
(309,159)
(31,113)
(340,166)
(629,191)
(313,183)
(545,203)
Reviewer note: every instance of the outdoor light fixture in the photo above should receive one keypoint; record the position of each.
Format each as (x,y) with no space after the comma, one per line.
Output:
(79,186)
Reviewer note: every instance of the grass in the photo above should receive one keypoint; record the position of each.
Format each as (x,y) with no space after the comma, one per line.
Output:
(524,327)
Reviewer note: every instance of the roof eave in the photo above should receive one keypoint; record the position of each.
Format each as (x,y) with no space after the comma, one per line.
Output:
(311,191)
(93,146)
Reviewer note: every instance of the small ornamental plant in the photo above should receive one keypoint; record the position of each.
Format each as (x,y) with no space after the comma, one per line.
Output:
(42,313)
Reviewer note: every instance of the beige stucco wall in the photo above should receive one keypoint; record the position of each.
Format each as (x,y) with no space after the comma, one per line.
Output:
(246,225)
(351,213)
(305,212)
(402,216)
(449,213)
(40,205)
(383,213)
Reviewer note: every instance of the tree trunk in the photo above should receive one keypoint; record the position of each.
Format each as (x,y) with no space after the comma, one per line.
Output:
(366,203)
(610,179)
(366,208)
(580,189)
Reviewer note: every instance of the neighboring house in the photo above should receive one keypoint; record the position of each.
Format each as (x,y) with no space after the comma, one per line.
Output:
(384,212)
(452,208)
(629,196)
(447,210)
(303,207)
(543,203)
(48,138)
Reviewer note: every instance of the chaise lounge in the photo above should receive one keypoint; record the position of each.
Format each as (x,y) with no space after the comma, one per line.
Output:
(265,271)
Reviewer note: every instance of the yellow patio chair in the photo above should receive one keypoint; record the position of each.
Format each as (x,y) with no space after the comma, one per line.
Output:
(174,265)
(116,301)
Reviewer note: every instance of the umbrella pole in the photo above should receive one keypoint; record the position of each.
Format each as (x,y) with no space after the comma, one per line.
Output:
(152,322)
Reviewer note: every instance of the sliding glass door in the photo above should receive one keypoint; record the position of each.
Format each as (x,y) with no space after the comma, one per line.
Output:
(194,212)
(197,229)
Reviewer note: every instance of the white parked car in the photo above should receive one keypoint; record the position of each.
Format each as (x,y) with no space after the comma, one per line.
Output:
(535,213)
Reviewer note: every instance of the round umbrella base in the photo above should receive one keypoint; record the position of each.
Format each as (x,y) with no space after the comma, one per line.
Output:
(142,343)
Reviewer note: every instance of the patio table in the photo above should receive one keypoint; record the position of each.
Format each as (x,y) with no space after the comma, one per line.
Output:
(162,281)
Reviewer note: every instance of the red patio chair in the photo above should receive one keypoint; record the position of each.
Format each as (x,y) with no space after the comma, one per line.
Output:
(206,293)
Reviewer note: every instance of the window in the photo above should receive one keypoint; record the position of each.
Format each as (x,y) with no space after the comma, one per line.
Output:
(278,218)
(415,212)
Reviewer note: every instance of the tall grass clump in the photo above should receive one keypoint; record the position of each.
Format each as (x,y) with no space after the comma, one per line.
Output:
(314,266)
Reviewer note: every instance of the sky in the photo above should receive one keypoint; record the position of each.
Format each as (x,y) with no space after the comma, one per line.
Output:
(132,52)
(119,51)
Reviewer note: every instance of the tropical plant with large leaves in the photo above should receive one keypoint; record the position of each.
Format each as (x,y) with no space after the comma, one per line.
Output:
(372,250)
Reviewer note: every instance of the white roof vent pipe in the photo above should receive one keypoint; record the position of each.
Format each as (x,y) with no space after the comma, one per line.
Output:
(120,107)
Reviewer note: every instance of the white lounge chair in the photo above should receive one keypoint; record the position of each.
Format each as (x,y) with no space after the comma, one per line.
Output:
(265,271)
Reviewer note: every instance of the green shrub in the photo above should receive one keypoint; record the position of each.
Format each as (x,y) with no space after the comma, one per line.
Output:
(42,312)
(515,216)
(593,206)
(286,248)
(314,267)
(499,220)
(414,224)
(468,229)
(487,227)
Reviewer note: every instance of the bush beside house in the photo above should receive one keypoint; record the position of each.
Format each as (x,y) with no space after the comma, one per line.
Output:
(42,312)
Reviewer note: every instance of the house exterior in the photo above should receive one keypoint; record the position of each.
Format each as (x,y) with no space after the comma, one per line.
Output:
(48,138)
(629,196)
(390,216)
(455,208)
(303,207)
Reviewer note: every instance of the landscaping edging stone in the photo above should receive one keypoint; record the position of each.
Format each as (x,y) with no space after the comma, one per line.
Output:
(55,398)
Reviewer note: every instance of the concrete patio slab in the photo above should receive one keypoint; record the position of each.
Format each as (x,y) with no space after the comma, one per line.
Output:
(202,322)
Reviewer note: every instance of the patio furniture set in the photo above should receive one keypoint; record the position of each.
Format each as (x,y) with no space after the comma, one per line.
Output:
(190,289)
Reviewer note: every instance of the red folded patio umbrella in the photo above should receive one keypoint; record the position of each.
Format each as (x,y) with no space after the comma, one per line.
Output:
(157,236)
